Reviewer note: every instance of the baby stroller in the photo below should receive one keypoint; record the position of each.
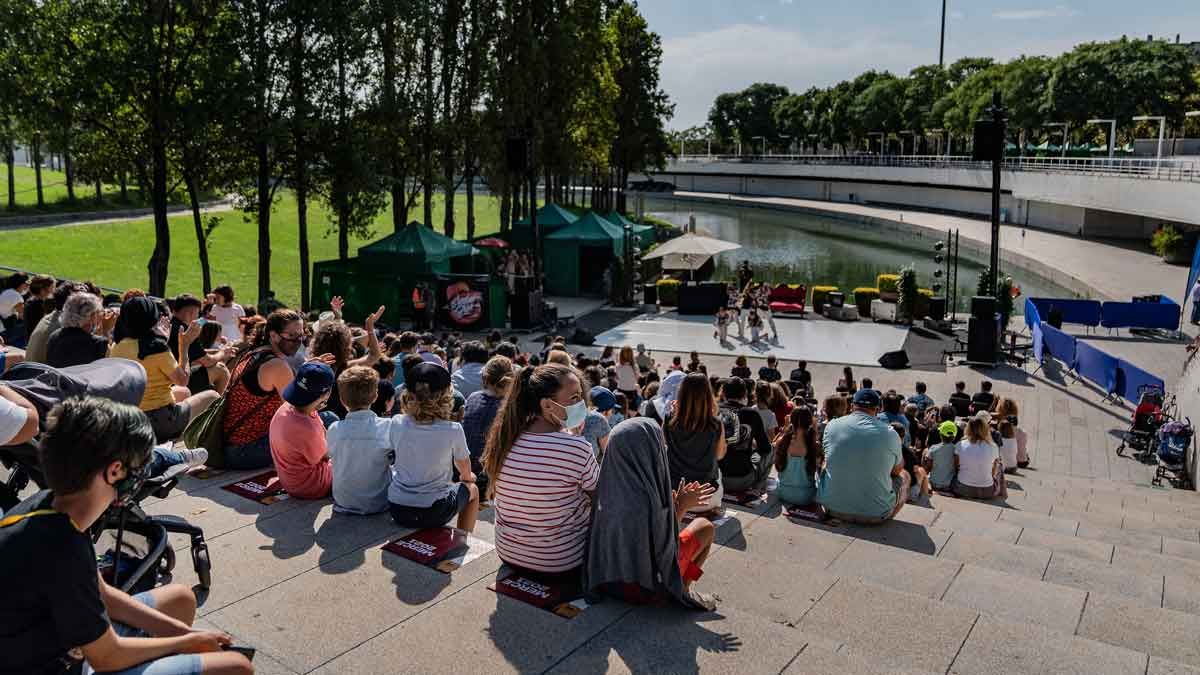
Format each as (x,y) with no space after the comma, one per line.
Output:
(1148,416)
(1174,439)
(124,381)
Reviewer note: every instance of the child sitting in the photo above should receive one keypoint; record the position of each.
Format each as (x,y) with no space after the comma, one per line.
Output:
(359,446)
(1008,446)
(912,464)
(939,460)
(297,436)
(422,493)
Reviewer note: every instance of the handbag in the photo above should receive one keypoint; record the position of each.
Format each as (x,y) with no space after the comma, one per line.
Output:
(207,430)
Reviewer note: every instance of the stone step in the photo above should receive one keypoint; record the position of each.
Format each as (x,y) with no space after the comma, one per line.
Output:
(1104,502)
(1101,486)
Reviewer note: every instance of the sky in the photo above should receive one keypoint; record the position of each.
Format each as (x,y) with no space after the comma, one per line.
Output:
(714,46)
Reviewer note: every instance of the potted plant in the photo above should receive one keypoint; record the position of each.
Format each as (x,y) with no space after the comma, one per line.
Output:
(862,299)
(1169,244)
(888,285)
(906,304)
(819,295)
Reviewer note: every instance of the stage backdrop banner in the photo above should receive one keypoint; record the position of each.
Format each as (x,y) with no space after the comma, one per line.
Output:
(462,301)
(1192,274)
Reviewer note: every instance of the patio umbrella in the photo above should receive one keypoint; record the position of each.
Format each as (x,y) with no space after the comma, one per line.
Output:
(492,242)
(690,251)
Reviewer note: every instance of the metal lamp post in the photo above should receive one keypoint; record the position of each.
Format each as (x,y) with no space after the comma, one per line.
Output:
(1162,129)
(1112,133)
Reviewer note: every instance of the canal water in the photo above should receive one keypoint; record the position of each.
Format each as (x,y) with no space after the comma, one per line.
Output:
(785,247)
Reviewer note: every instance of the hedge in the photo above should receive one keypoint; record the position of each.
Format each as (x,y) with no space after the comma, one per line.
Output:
(888,283)
(819,295)
(668,292)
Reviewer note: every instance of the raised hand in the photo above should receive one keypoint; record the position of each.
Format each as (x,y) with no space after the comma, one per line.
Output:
(369,324)
(336,304)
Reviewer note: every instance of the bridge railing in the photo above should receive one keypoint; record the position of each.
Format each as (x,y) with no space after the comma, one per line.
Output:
(1172,169)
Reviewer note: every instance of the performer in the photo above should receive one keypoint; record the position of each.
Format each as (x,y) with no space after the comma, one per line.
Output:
(722,324)
(756,324)
(744,275)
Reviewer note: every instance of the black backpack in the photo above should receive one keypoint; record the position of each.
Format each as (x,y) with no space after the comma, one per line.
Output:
(738,436)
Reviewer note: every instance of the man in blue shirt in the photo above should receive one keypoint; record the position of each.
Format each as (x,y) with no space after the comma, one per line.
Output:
(921,399)
(864,479)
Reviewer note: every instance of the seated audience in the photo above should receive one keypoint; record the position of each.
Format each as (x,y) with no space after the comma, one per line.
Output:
(142,328)
(920,399)
(939,460)
(984,399)
(596,427)
(867,383)
(260,373)
(12,308)
(405,345)
(660,398)
(800,379)
(38,301)
(798,459)
(864,480)
(468,378)
(423,492)
(621,412)
(297,436)
(359,448)
(385,398)
(694,364)
(961,400)
(645,362)
(762,403)
(1008,445)
(978,465)
(1007,409)
(637,550)
(481,409)
(35,349)
(740,369)
(917,431)
(676,363)
(84,334)
(832,408)
(892,414)
(542,476)
(913,466)
(847,382)
(207,357)
(58,610)
(560,357)
(770,372)
(694,437)
(335,338)
(227,313)
(748,456)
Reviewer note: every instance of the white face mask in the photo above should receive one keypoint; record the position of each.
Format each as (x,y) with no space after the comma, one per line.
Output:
(296,360)
(576,414)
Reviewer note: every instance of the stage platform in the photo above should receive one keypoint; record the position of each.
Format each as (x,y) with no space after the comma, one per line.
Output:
(858,343)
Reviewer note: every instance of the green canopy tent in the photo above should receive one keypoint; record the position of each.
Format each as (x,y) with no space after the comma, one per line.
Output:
(551,218)
(644,233)
(577,255)
(419,248)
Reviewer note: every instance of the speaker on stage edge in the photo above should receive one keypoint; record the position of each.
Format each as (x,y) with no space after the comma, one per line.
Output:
(582,337)
(981,340)
(526,308)
(983,307)
(894,360)
(937,307)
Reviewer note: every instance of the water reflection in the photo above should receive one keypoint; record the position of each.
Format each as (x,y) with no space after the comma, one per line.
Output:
(794,248)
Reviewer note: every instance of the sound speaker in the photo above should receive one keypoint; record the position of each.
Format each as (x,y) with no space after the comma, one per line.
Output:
(582,337)
(516,153)
(988,142)
(981,340)
(650,294)
(835,299)
(937,307)
(526,308)
(1055,317)
(894,360)
(983,307)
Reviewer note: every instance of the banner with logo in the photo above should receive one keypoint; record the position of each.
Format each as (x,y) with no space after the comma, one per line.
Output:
(462,301)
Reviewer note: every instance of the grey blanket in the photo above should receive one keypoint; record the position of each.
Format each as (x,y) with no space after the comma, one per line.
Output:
(634,536)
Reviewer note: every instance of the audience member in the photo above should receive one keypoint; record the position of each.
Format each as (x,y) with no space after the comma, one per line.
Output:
(762,403)
(405,345)
(867,383)
(659,401)
(227,313)
(832,408)
(939,460)
(799,459)
(977,461)
(627,374)
(258,378)
(770,372)
(84,334)
(334,338)
(1007,409)
(676,363)
(468,377)
(595,426)
(891,414)
(481,409)
(864,480)
(740,369)
(1008,445)
(208,369)
(800,380)
(359,448)
(560,357)
(645,362)
(920,399)
(423,492)
(297,435)
(35,348)
(385,398)
(541,476)
(917,431)
(694,437)
(143,325)
(847,382)
(94,453)
(694,364)
(637,551)
(12,308)
(984,399)
(961,400)
(748,456)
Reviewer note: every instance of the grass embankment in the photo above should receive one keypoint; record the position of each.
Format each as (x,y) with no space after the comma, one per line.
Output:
(54,194)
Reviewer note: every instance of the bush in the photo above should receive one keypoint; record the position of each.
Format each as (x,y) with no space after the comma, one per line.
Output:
(863,296)
(888,283)
(906,306)
(819,295)
(1167,242)
(668,292)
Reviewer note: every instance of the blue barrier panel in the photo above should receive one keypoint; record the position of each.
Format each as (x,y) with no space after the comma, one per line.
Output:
(1060,345)
(1163,314)
(1097,366)
(1130,377)
(1039,342)
(1032,317)
(1085,312)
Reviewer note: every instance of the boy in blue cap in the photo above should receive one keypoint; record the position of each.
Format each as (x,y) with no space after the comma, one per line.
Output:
(297,435)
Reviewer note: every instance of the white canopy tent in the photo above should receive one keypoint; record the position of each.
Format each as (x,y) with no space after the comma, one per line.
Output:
(690,251)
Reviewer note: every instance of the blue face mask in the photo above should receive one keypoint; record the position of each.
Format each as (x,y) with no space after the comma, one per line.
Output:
(576,414)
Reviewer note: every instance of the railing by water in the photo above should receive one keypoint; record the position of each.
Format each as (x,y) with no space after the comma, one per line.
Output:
(1171,169)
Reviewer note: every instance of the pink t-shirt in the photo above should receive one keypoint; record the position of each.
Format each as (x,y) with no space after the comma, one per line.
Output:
(298,448)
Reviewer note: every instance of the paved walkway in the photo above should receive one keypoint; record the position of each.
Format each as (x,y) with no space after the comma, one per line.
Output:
(1114,271)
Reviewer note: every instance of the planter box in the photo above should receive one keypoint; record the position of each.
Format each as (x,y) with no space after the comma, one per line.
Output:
(882,311)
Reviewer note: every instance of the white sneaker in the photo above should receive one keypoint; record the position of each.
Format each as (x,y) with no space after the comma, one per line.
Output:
(194,457)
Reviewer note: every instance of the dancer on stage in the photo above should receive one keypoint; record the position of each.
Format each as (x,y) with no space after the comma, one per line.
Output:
(734,304)
(722,324)
(756,325)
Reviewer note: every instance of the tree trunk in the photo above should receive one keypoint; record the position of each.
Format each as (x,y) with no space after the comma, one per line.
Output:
(427,139)
(124,183)
(161,257)
(469,178)
(99,192)
(37,170)
(449,52)
(505,215)
(263,153)
(69,167)
(343,217)
(299,148)
(387,45)
(201,237)
(9,158)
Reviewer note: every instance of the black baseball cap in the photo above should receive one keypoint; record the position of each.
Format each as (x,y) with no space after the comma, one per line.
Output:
(432,375)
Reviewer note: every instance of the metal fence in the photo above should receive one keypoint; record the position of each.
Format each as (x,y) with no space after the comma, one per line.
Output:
(1172,169)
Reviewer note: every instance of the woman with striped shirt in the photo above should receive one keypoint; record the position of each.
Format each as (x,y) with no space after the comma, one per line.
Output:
(542,476)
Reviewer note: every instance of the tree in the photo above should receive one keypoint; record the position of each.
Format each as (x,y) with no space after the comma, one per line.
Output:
(878,107)
(1023,89)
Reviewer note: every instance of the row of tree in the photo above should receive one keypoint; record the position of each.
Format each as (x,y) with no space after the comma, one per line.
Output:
(359,104)
(1117,79)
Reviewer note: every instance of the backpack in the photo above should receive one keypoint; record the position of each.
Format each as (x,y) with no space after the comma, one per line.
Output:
(738,436)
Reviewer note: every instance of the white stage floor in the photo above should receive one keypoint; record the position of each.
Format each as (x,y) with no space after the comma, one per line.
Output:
(858,343)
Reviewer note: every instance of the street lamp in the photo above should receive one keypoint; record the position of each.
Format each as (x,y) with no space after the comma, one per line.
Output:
(1162,129)
(764,140)
(786,137)
(1112,133)
(1065,127)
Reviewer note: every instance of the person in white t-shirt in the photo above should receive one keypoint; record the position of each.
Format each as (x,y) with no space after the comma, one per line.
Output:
(18,418)
(227,313)
(1008,446)
(980,471)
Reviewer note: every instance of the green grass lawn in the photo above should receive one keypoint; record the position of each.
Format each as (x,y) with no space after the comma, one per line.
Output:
(54,193)
(115,254)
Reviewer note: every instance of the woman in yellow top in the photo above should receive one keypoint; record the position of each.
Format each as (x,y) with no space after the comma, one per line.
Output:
(141,335)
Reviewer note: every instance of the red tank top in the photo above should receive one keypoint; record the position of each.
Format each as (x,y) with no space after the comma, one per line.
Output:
(249,410)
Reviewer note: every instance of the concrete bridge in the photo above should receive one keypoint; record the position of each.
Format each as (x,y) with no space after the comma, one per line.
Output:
(1108,197)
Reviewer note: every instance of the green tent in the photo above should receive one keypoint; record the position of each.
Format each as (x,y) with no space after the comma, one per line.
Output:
(577,255)
(644,233)
(416,248)
(551,218)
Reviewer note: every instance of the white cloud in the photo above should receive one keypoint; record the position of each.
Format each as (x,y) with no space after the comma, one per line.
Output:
(957,15)
(762,18)
(1029,14)
(786,2)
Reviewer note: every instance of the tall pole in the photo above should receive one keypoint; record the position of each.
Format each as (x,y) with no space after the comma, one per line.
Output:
(942,44)
(997,151)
